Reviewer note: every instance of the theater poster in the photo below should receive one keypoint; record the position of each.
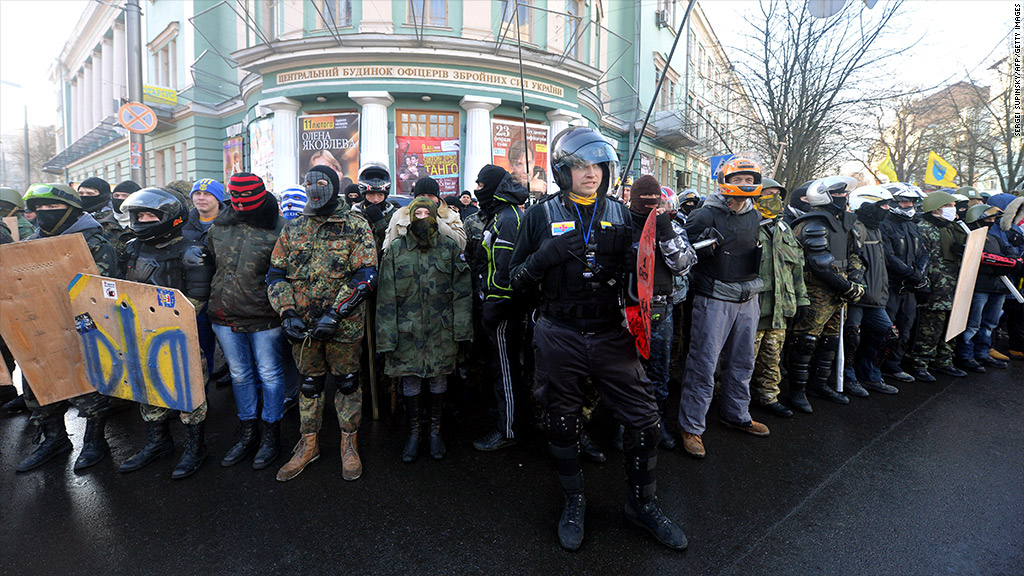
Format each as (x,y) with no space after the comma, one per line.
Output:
(419,156)
(526,158)
(330,140)
(261,150)
(233,149)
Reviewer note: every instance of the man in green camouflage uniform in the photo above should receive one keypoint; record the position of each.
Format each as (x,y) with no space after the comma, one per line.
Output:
(945,246)
(784,297)
(59,212)
(323,267)
(12,206)
(826,234)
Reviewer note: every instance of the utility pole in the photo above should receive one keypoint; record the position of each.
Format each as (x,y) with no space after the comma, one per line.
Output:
(137,142)
(28,161)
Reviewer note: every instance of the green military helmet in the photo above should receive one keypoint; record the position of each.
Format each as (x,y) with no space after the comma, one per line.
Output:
(936,200)
(13,197)
(970,192)
(769,183)
(45,193)
(980,212)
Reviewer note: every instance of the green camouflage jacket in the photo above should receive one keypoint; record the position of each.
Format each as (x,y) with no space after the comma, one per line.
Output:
(424,307)
(782,270)
(317,256)
(940,236)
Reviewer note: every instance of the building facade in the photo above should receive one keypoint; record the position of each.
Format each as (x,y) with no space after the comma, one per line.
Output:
(426,87)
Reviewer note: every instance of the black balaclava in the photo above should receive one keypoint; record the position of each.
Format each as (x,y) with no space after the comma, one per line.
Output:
(95,203)
(645,195)
(353,195)
(321,200)
(491,177)
(126,186)
(55,222)
(423,230)
(872,215)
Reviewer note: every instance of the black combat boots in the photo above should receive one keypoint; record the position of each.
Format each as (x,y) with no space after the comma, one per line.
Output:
(158,444)
(270,445)
(55,442)
(248,442)
(437,449)
(412,416)
(641,450)
(195,451)
(94,447)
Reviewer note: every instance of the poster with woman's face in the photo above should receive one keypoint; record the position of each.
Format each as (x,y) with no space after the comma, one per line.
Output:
(233,157)
(526,159)
(261,150)
(330,140)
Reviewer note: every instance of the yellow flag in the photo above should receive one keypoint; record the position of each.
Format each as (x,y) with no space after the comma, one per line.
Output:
(887,168)
(938,172)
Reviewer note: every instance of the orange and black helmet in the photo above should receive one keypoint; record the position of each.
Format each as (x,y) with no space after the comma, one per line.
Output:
(736,166)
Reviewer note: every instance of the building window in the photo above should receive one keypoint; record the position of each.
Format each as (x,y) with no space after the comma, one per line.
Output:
(574,8)
(428,13)
(428,124)
(525,18)
(335,13)
(164,71)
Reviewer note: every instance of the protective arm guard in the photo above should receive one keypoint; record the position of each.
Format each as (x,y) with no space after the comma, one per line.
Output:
(363,283)
(678,253)
(998,261)
(820,259)
(198,269)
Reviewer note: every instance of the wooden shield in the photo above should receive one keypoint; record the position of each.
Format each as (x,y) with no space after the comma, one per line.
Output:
(965,283)
(35,316)
(139,341)
(12,225)
(638,318)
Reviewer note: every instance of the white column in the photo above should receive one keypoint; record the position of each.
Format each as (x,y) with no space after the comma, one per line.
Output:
(558,120)
(87,106)
(107,79)
(478,136)
(373,126)
(72,110)
(120,63)
(79,112)
(97,87)
(286,140)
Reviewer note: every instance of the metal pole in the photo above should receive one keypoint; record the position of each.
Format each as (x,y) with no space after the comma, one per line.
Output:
(137,142)
(28,161)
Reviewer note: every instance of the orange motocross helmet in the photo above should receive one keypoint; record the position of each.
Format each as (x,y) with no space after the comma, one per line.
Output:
(739,166)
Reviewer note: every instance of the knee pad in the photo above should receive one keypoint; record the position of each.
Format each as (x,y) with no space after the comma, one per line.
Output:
(805,345)
(347,383)
(831,344)
(642,439)
(893,334)
(312,386)
(564,429)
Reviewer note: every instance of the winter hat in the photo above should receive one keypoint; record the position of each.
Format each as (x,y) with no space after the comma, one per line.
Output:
(352,194)
(247,191)
(99,202)
(491,177)
(210,186)
(423,230)
(293,200)
(426,185)
(645,185)
(466,193)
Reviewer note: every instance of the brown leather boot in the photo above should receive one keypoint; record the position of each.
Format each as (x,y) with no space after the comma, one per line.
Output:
(306,451)
(351,466)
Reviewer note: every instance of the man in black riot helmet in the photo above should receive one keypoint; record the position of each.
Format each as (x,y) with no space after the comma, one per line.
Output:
(161,256)
(374,188)
(576,247)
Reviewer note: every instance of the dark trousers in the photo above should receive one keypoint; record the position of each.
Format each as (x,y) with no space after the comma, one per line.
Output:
(902,310)
(506,363)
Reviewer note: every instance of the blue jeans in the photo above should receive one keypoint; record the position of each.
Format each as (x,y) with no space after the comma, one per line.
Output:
(661,354)
(874,325)
(976,340)
(247,353)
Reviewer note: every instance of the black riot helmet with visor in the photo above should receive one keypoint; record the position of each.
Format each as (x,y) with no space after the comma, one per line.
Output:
(580,146)
(167,205)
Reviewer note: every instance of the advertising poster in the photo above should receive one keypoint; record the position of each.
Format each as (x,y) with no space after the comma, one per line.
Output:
(261,150)
(330,140)
(233,157)
(419,156)
(526,159)
(647,164)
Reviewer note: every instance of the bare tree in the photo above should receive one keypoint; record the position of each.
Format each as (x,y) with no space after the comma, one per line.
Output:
(990,126)
(807,80)
(42,147)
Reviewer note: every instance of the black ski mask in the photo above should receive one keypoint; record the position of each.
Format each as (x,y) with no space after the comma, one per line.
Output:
(321,199)
(93,204)
(872,215)
(55,222)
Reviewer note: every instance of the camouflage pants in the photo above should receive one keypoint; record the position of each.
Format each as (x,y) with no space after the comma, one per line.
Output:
(90,405)
(315,358)
(348,406)
(931,349)
(152,413)
(764,385)
(824,314)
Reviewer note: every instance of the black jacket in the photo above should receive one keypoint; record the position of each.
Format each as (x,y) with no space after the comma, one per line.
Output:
(730,271)
(906,256)
(872,255)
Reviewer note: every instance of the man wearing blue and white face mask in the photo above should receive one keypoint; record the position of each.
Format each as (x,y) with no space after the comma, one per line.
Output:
(945,243)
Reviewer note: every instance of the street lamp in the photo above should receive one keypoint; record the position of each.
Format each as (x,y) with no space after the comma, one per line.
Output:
(28,162)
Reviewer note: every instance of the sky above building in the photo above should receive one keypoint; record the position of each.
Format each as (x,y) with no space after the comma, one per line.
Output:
(956,35)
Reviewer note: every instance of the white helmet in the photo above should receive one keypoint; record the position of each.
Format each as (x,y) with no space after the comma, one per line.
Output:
(869,195)
(819,192)
(904,191)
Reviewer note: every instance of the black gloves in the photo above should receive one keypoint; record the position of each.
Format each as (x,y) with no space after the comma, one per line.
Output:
(801,314)
(373,213)
(326,326)
(664,228)
(556,250)
(293,326)
(709,234)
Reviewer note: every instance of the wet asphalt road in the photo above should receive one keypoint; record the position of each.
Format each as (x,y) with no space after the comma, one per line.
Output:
(930,481)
